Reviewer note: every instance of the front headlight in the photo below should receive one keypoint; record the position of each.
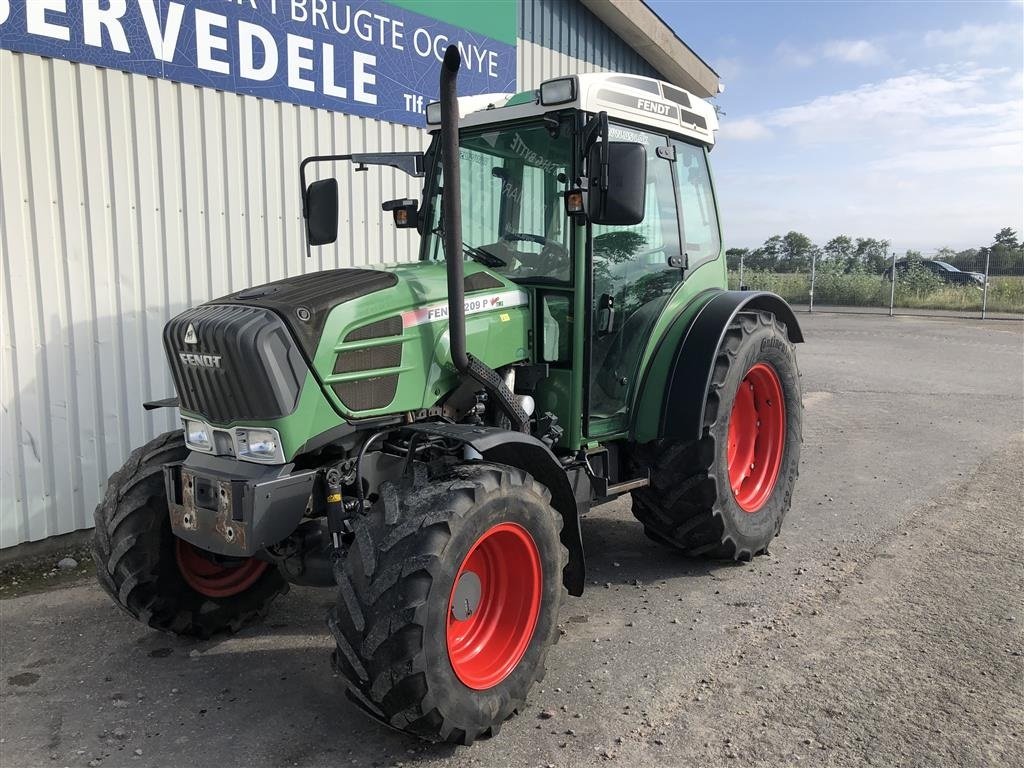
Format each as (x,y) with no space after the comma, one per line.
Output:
(259,445)
(197,436)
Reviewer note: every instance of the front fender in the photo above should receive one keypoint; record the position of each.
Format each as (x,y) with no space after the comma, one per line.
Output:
(675,385)
(517,449)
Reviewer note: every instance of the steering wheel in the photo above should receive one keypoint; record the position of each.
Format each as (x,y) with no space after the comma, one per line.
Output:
(552,259)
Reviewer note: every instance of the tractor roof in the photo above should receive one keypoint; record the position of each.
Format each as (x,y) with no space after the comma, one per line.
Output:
(641,100)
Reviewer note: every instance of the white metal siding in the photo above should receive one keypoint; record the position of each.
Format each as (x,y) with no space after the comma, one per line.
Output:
(125,200)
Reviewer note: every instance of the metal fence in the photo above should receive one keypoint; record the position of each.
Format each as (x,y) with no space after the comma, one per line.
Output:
(906,286)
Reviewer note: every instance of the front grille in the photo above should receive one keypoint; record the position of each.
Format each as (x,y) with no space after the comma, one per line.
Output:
(369,358)
(391,326)
(366,394)
(242,364)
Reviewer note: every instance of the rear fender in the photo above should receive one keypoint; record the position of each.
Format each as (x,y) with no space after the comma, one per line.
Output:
(679,373)
(517,449)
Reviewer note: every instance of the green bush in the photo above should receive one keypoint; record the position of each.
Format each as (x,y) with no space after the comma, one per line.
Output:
(1006,294)
(917,289)
(793,287)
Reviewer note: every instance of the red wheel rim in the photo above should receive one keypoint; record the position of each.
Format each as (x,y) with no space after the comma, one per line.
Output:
(485,646)
(212,580)
(757,437)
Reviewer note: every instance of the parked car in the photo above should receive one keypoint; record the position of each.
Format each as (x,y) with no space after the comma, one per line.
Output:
(947,273)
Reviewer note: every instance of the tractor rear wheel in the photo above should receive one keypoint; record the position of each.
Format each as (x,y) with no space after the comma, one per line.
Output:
(156,577)
(725,495)
(448,601)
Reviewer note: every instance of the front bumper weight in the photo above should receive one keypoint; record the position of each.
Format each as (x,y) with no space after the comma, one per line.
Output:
(232,513)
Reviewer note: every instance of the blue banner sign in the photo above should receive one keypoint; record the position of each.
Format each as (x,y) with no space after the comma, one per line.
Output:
(365,58)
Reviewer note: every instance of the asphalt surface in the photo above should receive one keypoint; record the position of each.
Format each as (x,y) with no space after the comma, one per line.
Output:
(885,628)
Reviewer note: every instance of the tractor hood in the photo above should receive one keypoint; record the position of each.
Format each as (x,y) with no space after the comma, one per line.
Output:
(372,341)
(304,302)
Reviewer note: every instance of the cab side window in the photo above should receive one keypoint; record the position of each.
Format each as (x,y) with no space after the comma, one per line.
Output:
(702,240)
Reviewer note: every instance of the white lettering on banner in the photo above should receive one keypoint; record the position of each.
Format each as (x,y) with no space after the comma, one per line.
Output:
(37,24)
(421,42)
(362,78)
(297,63)
(248,34)
(330,89)
(94,18)
(207,42)
(352,55)
(162,42)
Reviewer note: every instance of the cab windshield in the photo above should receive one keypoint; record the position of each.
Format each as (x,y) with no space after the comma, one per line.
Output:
(513,214)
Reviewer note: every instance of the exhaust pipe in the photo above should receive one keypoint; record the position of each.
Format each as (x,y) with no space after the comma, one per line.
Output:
(451,215)
(451,207)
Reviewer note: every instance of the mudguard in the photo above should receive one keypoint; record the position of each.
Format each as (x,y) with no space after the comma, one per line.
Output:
(679,373)
(517,449)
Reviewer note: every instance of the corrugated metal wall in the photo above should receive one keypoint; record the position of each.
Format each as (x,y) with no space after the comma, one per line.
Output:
(124,200)
(562,37)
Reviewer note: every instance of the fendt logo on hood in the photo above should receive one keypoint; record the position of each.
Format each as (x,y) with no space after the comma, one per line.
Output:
(199,361)
(190,335)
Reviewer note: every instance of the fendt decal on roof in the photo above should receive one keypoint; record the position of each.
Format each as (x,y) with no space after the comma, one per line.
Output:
(640,103)
(439,311)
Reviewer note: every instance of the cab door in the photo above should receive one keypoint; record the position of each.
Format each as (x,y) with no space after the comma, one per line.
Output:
(634,269)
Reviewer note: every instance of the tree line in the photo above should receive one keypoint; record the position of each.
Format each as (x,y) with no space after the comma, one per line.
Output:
(794,251)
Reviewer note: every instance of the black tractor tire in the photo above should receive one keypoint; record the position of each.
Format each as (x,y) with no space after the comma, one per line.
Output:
(135,553)
(690,504)
(395,587)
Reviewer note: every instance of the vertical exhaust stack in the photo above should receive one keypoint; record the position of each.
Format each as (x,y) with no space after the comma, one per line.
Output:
(451,216)
(451,207)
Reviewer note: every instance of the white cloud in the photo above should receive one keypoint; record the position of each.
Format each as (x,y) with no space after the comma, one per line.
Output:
(843,51)
(927,158)
(909,105)
(742,130)
(728,68)
(854,51)
(975,39)
(791,56)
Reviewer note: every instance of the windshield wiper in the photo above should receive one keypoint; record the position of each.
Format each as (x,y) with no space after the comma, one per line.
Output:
(486,258)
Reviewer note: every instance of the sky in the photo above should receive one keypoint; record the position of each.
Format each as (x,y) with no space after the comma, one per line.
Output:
(895,120)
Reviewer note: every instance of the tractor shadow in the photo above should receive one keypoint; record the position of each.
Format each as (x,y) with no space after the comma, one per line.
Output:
(618,552)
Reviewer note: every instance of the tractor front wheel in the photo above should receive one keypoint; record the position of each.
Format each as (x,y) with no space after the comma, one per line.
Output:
(448,601)
(156,577)
(725,495)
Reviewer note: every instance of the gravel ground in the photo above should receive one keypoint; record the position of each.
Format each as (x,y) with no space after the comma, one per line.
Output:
(885,628)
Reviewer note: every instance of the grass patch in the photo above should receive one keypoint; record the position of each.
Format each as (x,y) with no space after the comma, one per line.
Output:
(1005,294)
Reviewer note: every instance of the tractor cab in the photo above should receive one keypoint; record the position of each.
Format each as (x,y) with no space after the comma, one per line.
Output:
(593,195)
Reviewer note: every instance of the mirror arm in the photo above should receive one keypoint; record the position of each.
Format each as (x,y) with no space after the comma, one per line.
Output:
(596,128)
(411,163)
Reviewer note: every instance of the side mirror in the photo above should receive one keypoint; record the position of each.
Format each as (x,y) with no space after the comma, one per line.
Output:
(622,203)
(322,212)
(405,212)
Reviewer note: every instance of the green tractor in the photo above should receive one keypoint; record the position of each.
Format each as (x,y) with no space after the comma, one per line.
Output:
(425,437)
